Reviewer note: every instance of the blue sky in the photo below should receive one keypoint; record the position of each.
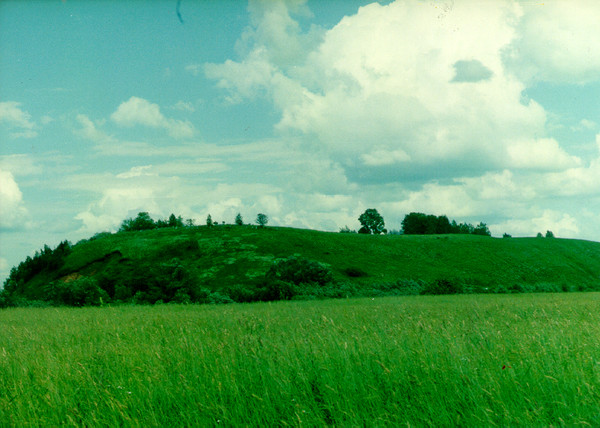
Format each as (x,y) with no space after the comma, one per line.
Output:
(310,112)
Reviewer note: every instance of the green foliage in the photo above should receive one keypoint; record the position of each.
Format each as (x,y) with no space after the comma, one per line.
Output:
(83,291)
(482,230)
(423,224)
(299,270)
(485,360)
(45,260)
(354,272)
(209,221)
(262,219)
(346,229)
(442,286)
(239,221)
(175,221)
(549,234)
(372,222)
(177,264)
(143,221)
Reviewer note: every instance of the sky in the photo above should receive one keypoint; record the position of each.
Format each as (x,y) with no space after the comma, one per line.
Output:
(307,111)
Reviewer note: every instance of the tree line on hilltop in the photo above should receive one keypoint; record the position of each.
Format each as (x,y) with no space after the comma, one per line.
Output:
(371,223)
(416,224)
(143,221)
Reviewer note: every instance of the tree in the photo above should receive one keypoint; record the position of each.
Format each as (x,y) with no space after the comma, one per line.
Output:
(482,230)
(372,222)
(143,221)
(175,221)
(239,220)
(415,224)
(262,219)
(549,234)
(209,221)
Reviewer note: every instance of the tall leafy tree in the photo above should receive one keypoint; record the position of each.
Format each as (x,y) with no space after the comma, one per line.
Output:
(143,221)
(372,222)
(239,220)
(262,219)
(175,221)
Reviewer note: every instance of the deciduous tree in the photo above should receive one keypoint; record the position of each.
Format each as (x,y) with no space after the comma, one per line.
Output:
(262,219)
(372,222)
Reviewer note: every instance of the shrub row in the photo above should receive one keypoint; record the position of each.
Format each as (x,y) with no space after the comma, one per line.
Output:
(292,278)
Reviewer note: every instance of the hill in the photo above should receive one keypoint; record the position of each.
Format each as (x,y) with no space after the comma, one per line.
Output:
(233,261)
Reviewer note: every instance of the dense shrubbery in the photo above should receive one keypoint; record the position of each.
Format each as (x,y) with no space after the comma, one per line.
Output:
(423,224)
(79,292)
(143,221)
(43,261)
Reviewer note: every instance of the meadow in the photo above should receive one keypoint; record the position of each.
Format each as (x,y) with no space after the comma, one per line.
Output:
(527,359)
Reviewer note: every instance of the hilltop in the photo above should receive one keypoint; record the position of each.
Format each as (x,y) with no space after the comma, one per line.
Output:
(233,262)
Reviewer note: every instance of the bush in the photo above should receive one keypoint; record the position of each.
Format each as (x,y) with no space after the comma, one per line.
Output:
(442,286)
(279,290)
(217,298)
(298,270)
(83,291)
(355,272)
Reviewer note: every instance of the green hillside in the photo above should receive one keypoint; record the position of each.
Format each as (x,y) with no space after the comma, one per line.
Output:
(222,258)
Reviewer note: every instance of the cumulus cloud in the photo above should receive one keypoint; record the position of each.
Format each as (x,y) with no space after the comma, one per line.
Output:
(400,83)
(184,106)
(138,111)
(561,224)
(89,130)
(543,153)
(385,157)
(13,214)
(557,42)
(17,119)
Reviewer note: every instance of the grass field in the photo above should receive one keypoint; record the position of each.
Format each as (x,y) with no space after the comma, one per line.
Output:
(468,360)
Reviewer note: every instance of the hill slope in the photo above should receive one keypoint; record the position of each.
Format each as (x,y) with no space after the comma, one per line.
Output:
(224,256)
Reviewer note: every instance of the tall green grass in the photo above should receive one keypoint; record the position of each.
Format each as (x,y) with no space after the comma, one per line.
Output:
(424,360)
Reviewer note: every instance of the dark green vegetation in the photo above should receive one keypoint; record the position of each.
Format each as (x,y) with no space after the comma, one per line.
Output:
(485,360)
(227,263)
(428,224)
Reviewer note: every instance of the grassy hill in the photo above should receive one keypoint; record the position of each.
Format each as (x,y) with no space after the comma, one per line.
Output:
(222,257)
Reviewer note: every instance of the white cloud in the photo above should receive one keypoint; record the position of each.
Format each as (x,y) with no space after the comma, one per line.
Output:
(90,131)
(543,153)
(381,87)
(557,42)
(117,203)
(138,111)
(184,106)
(17,119)
(385,157)
(195,69)
(20,164)
(13,214)
(136,171)
(438,199)
(561,224)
